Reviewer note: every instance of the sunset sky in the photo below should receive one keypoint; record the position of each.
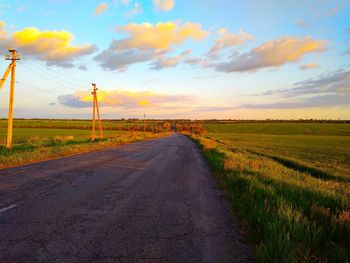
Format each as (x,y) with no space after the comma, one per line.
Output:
(195,59)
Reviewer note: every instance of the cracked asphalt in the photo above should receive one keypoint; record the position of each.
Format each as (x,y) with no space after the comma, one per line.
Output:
(150,201)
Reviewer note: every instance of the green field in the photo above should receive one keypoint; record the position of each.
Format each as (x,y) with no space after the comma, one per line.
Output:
(41,129)
(290,183)
(23,135)
(60,124)
(36,140)
(281,128)
(83,124)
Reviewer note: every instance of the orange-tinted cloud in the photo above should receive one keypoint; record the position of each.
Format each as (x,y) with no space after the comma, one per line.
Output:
(2,30)
(309,66)
(124,99)
(228,39)
(159,36)
(146,43)
(100,8)
(164,5)
(273,53)
(53,46)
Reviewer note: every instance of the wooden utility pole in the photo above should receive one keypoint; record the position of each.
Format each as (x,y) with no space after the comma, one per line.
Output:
(12,68)
(95,108)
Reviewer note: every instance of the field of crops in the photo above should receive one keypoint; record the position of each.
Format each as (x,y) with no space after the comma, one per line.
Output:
(290,183)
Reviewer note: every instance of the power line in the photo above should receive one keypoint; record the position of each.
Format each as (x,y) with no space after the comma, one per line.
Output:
(69,77)
(33,87)
(55,74)
(48,78)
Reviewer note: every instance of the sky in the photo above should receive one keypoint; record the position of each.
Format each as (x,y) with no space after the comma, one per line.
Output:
(192,59)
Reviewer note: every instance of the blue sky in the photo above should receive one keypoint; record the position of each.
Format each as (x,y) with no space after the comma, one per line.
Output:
(179,59)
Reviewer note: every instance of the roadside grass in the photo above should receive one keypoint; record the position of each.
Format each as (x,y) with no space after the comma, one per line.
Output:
(32,149)
(293,209)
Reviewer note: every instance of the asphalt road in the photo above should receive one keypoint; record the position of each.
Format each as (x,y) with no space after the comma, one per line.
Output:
(150,201)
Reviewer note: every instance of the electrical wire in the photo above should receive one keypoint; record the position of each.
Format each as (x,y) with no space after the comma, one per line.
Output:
(54,77)
(47,78)
(68,77)
(55,74)
(33,87)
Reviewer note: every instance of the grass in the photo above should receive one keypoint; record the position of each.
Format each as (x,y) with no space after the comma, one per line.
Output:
(25,134)
(34,143)
(291,188)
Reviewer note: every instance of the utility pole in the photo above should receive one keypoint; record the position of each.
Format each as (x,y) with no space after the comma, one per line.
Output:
(95,108)
(12,68)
